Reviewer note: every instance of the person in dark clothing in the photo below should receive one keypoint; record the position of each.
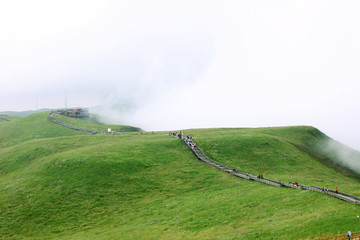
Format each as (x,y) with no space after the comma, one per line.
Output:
(348,235)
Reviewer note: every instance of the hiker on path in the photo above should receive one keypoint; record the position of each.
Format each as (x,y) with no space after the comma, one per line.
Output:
(348,235)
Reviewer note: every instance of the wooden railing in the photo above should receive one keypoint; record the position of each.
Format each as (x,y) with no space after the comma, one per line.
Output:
(354,236)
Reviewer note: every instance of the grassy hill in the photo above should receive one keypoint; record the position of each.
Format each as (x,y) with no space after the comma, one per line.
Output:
(4,121)
(24,113)
(11,117)
(285,154)
(56,183)
(35,126)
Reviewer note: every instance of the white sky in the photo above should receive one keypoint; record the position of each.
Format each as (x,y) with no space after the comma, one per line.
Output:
(188,64)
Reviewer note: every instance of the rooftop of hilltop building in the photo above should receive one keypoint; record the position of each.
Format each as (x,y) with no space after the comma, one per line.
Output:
(78,112)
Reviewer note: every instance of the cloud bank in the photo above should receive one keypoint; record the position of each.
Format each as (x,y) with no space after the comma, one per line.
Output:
(341,154)
(189,65)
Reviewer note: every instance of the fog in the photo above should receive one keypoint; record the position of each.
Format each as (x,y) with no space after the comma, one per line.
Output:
(341,153)
(163,65)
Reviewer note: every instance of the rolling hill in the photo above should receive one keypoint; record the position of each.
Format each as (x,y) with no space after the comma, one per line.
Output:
(57,183)
(24,113)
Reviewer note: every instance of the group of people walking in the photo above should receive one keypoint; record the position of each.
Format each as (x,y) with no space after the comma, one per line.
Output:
(189,141)
(176,134)
(327,190)
(294,183)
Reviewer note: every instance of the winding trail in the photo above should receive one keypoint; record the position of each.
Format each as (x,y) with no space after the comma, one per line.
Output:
(92,132)
(52,118)
(5,118)
(202,157)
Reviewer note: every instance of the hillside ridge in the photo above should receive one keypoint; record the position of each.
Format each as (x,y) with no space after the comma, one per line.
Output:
(67,184)
(201,156)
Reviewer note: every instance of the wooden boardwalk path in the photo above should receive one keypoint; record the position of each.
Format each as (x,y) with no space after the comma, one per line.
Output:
(5,118)
(92,132)
(202,157)
(53,119)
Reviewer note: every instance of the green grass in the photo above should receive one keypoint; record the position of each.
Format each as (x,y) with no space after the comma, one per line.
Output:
(35,126)
(63,186)
(4,122)
(11,117)
(274,152)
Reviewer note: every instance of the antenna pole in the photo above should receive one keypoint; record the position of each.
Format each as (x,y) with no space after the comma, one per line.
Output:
(66,100)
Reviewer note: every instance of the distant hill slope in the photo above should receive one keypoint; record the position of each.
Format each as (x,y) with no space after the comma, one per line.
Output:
(24,113)
(38,126)
(61,186)
(35,126)
(4,119)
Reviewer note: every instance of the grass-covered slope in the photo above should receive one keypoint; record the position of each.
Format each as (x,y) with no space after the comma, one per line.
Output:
(24,113)
(5,121)
(11,117)
(35,126)
(153,187)
(284,153)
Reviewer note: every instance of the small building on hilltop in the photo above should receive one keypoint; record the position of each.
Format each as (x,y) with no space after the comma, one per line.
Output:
(75,112)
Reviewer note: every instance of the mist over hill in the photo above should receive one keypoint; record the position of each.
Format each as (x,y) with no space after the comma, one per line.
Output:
(340,153)
(114,113)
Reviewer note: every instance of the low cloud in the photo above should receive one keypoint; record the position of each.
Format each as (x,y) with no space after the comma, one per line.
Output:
(171,66)
(341,154)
